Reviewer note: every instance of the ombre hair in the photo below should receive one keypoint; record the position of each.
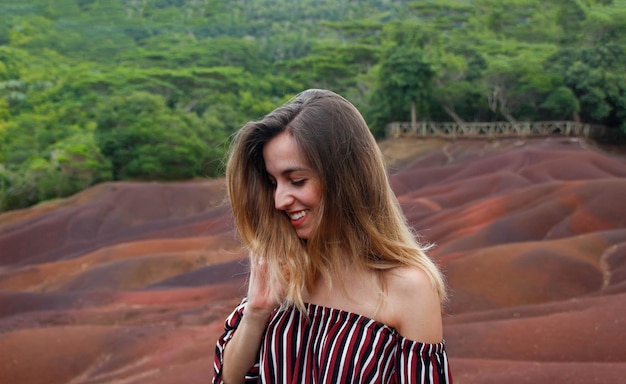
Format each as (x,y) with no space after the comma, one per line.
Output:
(361,224)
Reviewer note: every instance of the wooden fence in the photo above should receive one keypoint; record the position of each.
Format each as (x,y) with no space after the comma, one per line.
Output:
(495,129)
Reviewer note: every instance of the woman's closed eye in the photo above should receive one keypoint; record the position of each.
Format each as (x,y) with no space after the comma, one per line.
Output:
(296,183)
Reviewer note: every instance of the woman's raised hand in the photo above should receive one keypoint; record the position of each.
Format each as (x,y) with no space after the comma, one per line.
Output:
(243,347)
(260,301)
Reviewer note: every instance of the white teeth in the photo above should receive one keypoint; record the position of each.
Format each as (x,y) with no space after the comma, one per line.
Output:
(298,215)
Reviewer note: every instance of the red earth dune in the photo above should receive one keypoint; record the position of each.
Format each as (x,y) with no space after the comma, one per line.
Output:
(131,282)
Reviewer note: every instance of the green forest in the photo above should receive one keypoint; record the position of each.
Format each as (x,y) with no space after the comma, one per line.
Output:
(108,90)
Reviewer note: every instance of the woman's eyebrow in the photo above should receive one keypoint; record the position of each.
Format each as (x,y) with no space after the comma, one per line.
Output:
(289,171)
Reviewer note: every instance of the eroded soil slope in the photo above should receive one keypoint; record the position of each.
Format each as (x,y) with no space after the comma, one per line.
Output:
(131,282)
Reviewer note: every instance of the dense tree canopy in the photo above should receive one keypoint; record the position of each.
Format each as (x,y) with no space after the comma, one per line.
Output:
(97,90)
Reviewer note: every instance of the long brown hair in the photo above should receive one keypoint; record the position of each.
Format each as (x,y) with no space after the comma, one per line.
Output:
(361,224)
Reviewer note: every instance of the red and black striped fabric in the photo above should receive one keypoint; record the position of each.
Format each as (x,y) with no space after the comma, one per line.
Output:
(327,345)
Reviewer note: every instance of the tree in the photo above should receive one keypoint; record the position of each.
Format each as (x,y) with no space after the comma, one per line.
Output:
(561,103)
(405,79)
(79,162)
(514,85)
(144,139)
(597,78)
(451,87)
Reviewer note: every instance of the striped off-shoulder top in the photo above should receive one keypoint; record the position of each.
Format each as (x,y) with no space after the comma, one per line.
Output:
(327,345)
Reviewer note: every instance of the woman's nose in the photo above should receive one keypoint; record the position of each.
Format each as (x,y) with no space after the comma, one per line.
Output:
(282,197)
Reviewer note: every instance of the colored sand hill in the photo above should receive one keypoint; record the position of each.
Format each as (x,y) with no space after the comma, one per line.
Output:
(131,282)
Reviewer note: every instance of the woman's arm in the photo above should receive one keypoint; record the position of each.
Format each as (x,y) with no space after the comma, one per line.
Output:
(242,350)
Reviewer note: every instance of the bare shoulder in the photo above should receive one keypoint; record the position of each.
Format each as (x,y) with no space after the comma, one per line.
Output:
(413,305)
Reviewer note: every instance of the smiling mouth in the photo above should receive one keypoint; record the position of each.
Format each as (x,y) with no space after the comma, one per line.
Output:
(297,215)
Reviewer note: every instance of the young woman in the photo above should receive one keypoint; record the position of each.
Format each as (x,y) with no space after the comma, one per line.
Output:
(340,291)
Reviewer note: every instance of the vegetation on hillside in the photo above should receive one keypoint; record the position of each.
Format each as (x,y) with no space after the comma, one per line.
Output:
(98,90)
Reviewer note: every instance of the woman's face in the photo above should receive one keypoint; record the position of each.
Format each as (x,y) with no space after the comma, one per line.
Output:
(297,188)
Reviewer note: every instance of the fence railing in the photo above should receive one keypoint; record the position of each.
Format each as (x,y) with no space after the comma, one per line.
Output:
(494,129)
